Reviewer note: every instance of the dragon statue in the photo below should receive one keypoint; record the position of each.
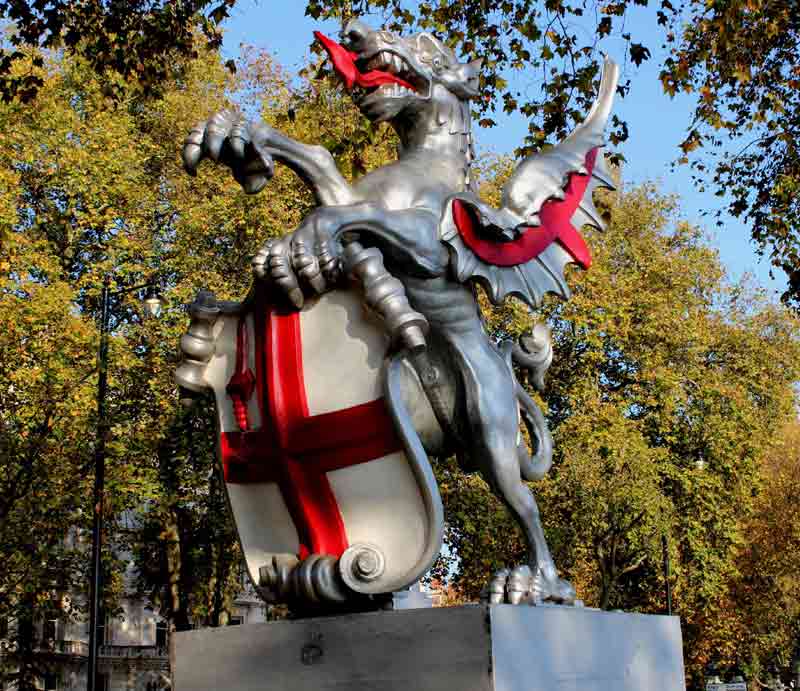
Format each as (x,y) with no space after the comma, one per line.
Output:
(414,238)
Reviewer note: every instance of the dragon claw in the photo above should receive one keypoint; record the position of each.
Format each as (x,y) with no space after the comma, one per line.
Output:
(526,585)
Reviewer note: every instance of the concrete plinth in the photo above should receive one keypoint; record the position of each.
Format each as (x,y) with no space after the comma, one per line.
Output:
(472,648)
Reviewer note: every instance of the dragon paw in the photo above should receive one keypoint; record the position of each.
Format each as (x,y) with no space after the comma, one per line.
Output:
(524,585)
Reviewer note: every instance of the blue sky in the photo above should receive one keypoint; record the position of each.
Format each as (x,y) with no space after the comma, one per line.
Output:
(657,123)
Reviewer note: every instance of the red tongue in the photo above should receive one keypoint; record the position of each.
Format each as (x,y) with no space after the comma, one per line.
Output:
(344,63)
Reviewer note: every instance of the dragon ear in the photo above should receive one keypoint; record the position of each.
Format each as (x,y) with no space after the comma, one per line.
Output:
(462,78)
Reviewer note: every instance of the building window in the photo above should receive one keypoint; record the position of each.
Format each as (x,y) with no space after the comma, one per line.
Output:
(235,621)
(161,634)
(104,630)
(49,630)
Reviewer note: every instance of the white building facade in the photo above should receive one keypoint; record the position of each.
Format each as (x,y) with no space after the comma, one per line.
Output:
(134,647)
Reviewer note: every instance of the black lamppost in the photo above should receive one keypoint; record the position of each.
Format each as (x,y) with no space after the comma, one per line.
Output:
(152,308)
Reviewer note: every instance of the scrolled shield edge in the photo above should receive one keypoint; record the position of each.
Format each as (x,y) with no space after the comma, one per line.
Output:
(421,467)
(189,377)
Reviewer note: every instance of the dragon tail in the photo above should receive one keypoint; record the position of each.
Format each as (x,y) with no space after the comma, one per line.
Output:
(534,354)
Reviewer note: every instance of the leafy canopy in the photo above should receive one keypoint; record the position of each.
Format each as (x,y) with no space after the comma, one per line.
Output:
(666,391)
(739,59)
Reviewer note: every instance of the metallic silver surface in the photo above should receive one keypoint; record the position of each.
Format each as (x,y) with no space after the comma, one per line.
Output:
(395,232)
(313,581)
(197,344)
(534,353)
(361,564)
(393,390)
(543,175)
(386,295)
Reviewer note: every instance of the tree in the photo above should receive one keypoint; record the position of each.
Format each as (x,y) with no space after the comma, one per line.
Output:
(742,61)
(666,388)
(136,39)
(44,406)
(764,597)
(91,195)
(96,188)
(739,59)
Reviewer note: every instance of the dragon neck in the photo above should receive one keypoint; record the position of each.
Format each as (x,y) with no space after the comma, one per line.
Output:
(445,131)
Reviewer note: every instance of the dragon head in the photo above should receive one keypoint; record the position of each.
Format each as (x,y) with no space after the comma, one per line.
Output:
(400,79)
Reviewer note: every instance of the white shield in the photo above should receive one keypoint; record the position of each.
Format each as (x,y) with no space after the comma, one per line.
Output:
(314,459)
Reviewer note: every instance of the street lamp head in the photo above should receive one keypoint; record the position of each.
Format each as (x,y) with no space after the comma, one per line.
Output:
(152,303)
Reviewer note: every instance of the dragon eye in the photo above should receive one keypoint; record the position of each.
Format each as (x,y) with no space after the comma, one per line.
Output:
(437,62)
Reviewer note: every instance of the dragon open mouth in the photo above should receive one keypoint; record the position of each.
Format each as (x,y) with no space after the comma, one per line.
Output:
(384,71)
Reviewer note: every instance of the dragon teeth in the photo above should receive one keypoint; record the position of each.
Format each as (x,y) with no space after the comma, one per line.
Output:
(394,90)
(388,62)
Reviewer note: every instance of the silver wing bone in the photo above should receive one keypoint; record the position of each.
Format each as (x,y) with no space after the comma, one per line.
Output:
(529,281)
(540,178)
(544,175)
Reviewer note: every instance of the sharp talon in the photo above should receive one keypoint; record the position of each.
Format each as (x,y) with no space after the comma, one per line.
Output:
(524,585)
(266,160)
(214,138)
(253,185)
(296,296)
(192,153)
(237,146)
(317,282)
(238,140)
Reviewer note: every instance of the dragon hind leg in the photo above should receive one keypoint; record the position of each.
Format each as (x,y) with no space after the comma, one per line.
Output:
(492,410)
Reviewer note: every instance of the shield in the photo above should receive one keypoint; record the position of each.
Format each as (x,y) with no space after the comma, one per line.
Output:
(315,460)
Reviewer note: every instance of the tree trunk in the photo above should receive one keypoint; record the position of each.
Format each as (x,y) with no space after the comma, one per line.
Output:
(607,588)
(25,659)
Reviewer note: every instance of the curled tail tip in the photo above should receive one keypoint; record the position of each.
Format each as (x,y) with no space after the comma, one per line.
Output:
(534,352)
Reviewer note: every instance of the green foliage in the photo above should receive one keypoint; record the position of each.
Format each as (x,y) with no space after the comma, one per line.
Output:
(763,602)
(142,40)
(96,188)
(666,390)
(742,61)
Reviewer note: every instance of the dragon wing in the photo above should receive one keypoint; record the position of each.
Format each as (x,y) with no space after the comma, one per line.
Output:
(522,248)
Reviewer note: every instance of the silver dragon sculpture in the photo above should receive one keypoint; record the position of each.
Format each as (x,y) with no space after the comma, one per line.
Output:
(421,215)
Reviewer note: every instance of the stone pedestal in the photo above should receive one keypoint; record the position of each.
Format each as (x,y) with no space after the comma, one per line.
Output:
(472,648)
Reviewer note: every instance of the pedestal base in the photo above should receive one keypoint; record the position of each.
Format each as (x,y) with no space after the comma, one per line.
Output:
(472,648)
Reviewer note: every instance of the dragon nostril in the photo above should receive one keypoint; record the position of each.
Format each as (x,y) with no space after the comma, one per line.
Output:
(355,33)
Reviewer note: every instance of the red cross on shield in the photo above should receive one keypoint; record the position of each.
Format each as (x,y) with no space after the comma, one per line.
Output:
(312,460)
